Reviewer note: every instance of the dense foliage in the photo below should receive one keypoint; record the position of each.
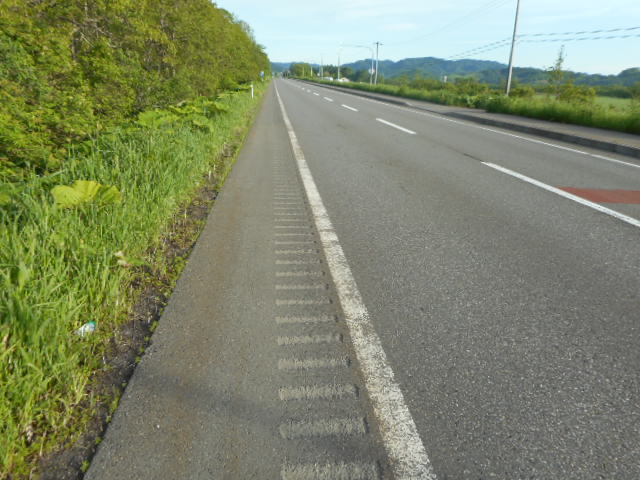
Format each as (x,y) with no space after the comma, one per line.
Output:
(69,69)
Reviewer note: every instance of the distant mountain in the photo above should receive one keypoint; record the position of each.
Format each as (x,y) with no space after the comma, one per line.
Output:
(488,72)
(428,66)
(485,71)
(279,67)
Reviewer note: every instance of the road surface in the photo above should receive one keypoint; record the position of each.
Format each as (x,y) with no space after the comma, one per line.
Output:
(382,292)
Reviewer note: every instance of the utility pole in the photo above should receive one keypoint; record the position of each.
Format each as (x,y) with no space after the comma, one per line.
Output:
(377,47)
(513,45)
(371,76)
(321,67)
(338,64)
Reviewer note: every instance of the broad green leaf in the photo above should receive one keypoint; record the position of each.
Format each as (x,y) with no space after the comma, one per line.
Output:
(85,191)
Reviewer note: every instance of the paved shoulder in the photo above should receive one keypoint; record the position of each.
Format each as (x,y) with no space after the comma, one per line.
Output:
(250,374)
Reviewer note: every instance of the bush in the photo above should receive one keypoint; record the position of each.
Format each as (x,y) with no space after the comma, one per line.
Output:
(70,69)
(523,91)
(576,94)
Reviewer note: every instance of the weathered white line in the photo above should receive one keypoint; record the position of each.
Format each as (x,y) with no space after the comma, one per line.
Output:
(328,99)
(297,251)
(293,320)
(406,130)
(318,392)
(407,455)
(299,262)
(295,242)
(297,274)
(315,286)
(309,339)
(316,94)
(350,108)
(325,427)
(296,302)
(620,216)
(330,471)
(312,363)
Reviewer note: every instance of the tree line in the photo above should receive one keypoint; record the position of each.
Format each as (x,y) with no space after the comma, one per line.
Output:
(70,69)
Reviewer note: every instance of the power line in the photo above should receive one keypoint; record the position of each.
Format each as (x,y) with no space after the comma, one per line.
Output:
(578,33)
(578,39)
(504,42)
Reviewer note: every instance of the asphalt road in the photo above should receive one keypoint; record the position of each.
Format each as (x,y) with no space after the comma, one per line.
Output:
(508,313)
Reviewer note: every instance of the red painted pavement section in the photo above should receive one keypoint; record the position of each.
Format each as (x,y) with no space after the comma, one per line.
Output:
(605,196)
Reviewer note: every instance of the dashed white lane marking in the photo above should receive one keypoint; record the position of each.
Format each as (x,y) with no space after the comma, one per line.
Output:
(350,108)
(413,109)
(330,471)
(328,99)
(286,320)
(407,455)
(316,94)
(310,339)
(313,363)
(324,427)
(630,220)
(406,130)
(318,392)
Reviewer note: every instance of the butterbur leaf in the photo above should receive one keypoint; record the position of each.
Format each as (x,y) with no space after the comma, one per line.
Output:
(108,195)
(87,188)
(84,191)
(66,197)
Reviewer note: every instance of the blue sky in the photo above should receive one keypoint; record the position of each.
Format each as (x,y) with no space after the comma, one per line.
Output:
(306,31)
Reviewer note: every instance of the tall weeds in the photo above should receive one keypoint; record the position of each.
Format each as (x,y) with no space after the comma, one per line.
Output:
(58,269)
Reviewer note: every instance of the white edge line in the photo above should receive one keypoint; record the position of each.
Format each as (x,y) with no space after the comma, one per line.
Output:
(350,108)
(406,130)
(406,452)
(562,193)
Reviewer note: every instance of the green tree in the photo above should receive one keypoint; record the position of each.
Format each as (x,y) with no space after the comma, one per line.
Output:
(556,74)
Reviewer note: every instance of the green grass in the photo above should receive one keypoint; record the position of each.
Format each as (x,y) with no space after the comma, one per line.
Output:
(58,271)
(588,115)
(613,102)
(621,104)
(605,112)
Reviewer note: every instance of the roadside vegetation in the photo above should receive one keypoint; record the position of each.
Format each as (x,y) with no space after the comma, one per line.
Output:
(113,114)
(572,104)
(559,99)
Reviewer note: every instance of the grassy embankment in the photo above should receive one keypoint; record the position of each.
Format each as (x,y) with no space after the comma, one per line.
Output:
(59,268)
(624,116)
